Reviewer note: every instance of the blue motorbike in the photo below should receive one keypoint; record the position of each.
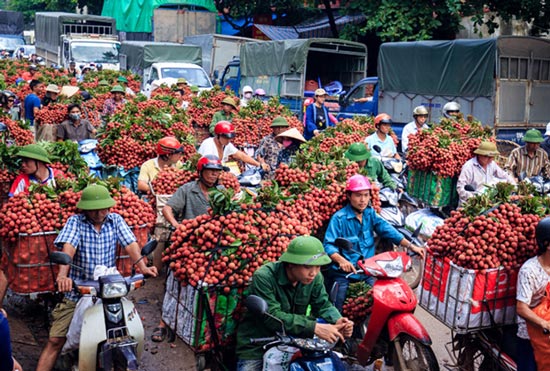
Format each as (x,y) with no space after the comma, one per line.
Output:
(314,354)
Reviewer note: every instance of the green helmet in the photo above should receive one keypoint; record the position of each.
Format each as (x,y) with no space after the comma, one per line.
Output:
(95,197)
(305,250)
(103,83)
(279,122)
(533,136)
(122,79)
(194,88)
(118,89)
(35,152)
(357,152)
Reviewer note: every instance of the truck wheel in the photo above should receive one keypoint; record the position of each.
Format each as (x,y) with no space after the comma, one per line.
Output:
(414,354)
(201,362)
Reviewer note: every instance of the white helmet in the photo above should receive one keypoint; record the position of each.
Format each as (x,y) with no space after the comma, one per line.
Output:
(450,107)
(420,110)
(248,89)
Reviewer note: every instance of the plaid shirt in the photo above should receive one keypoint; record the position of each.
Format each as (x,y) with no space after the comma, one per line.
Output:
(92,247)
(520,162)
(269,150)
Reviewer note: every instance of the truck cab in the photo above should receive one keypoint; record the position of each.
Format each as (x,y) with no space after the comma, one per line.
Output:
(231,77)
(362,99)
(86,50)
(169,72)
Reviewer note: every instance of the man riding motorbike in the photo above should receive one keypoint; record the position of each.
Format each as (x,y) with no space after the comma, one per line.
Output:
(289,286)
(381,137)
(359,153)
(357,222)
(91,239)
(451,110)
(420,115)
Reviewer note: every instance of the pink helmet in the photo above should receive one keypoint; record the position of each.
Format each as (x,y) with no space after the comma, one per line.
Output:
(358,183)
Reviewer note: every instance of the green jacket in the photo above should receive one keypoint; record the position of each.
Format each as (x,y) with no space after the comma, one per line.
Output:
(217,117)
(378,172)
(286,302)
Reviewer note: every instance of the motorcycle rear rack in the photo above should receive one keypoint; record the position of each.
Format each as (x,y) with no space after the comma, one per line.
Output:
(119,335)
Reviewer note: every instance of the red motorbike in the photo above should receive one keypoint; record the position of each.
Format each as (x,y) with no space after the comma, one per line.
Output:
(391,330)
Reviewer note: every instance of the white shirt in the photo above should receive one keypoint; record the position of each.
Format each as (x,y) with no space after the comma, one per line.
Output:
(473,173)
(409,129)
(387,146)
(531,287)
(208,147)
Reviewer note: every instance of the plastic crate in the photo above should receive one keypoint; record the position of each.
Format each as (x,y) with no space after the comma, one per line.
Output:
(123,262)
(26,263)
(184,311)
(432,189)
(468,299)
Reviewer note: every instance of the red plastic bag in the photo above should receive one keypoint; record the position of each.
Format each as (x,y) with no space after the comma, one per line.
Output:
(539,340)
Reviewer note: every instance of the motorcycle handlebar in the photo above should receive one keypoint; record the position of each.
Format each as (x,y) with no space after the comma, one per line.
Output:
(263,340)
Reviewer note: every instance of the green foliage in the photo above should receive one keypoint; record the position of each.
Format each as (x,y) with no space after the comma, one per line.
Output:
(29,7)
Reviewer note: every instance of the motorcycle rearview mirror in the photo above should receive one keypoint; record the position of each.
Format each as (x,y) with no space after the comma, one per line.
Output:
(469,188)
(61,258)
(343,243)
(334,292)
(147,249)
(258,306)
(377,148)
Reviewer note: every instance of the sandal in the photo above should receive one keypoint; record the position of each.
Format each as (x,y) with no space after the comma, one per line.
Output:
(159,334)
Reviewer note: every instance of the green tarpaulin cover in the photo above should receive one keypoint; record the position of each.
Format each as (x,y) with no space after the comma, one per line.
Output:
(456,68)
(136,15)
(273,58)
(141,54)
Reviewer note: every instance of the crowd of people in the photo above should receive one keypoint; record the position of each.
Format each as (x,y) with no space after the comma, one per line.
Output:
(294,282)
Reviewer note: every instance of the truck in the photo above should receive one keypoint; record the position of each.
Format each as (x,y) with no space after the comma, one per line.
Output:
(293,69)
(175,25)
(217,51)
(11,31)
(504,82)
(85,39)
(164,63)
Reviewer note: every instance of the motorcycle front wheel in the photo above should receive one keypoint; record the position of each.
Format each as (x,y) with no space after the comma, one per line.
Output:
(415,355)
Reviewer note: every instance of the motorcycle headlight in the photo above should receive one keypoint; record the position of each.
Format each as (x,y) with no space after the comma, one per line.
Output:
(113,286)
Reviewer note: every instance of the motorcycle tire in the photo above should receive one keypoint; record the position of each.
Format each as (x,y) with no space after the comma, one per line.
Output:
(416,355)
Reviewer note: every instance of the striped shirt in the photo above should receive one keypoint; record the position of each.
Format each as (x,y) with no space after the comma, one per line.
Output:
(520,162)
(92,247)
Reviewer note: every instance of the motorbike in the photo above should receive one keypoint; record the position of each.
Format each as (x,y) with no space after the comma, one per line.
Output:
(313,354)
(541,184)
(391,213)
(87,150)
(391,330)
(112,334)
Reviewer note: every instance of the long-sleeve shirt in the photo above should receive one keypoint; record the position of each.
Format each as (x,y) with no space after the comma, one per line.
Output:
(378,172)
(409,129)
(286,302)
(269,150)
(520,162)
(217,117)
(315,121)
(344,223)
(473,173)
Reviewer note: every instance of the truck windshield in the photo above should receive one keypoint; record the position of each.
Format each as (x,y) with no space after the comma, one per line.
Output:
(10,43)
(194,76)
(95,52)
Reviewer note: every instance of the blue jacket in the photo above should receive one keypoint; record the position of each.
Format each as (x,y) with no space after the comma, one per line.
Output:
(345,224)
(311,118)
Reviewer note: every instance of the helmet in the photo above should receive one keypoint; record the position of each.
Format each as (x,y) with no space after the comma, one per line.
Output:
(450,107)
(358,183)
(229,101)
(533,136)
(225,128)
(260,91)
(122,79)
(118,89)
(542,232)
(95,197)
(211,162)
(8,94)
(279,122)
(35,152)
(382,118)
(357,152)
(247,89)
(168,146)
(305,250)
(420,111)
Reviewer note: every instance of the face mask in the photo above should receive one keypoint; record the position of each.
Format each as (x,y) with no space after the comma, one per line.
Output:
(74,116)
(287,143)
